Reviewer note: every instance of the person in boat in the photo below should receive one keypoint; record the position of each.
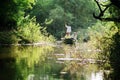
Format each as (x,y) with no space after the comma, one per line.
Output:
(68,31)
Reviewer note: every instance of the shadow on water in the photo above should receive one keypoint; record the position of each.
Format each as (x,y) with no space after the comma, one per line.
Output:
(46,63)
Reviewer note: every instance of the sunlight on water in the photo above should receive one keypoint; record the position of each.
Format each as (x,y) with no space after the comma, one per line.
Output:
(97,76)
(30,77)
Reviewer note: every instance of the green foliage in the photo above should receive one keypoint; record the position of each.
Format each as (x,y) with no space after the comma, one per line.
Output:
(12,11)
(72,12)
(41,10)
(101,36)
(30,31)
(8,37)
(57,13)
(48,21)
(110,42)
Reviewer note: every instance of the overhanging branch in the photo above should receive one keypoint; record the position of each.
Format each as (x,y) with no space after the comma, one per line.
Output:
(102,13)
(110,19)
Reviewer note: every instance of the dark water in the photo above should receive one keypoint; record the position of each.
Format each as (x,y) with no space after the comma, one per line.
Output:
(45,63)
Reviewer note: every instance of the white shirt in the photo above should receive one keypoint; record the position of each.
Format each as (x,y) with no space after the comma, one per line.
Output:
(68,28)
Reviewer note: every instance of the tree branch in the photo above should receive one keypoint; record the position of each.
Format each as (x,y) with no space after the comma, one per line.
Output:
(102,12)
(110,19)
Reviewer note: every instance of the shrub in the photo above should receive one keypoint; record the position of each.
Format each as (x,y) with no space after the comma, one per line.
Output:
(30,31)
(8,37)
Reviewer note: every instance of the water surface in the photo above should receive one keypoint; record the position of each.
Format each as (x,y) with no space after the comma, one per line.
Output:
(43,63)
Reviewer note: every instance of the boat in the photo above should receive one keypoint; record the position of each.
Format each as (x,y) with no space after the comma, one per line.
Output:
(68,41)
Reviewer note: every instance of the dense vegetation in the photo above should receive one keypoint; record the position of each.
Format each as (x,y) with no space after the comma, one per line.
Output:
(49,16)
(16,26)
(109,42)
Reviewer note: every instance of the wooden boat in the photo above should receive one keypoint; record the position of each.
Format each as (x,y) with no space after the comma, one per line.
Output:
(70,39)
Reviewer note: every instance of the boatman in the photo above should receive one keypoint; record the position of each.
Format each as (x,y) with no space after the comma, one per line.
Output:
(68,31)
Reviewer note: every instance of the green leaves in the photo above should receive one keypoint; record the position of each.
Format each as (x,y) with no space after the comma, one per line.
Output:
(78,13)
(12,11)
(48,21)
(29,31)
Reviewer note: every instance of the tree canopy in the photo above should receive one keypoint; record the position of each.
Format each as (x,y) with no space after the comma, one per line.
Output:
(12,12)
(77,13)
(110,44)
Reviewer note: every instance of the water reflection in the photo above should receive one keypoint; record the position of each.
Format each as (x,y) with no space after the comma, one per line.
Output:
(97,76)
(17,62)
(42,63)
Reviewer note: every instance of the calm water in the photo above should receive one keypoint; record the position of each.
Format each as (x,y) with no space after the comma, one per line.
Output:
(45,63)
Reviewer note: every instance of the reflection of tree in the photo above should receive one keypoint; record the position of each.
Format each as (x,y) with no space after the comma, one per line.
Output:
(19,61)
(8,69)
(76,71)
(32,54)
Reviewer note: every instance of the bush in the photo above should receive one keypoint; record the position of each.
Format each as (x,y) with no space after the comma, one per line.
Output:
(30,32)
(8,37)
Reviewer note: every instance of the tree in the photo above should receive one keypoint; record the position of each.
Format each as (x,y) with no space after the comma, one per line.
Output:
(41,10)
(63,11)
(12,12)
(113,43)
(112,6)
